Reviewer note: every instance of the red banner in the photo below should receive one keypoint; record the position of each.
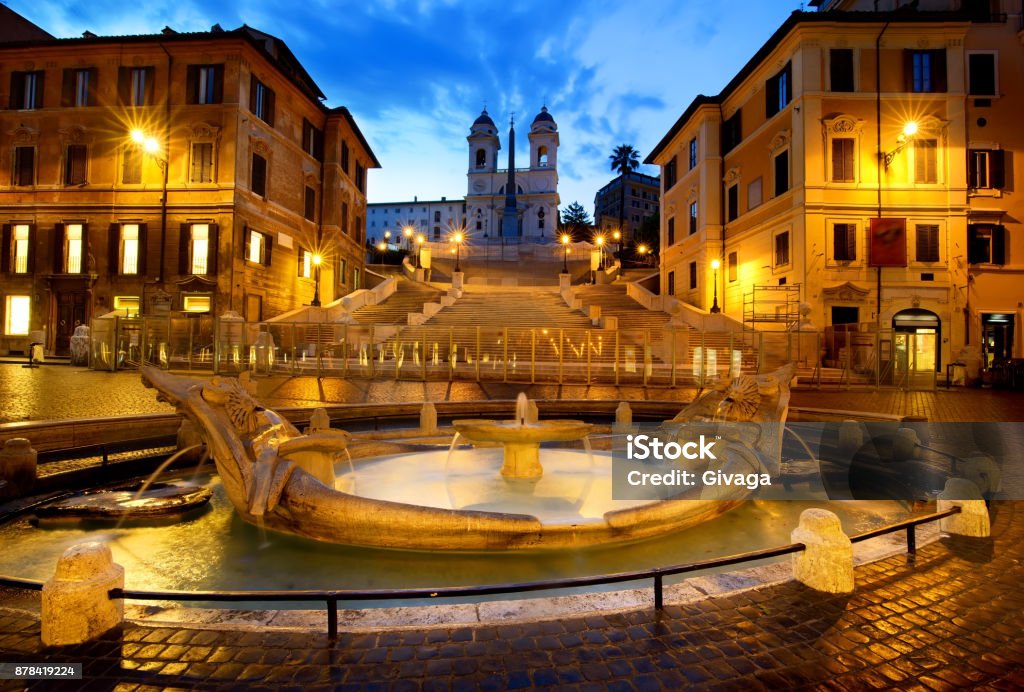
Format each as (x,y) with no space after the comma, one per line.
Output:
(888,243)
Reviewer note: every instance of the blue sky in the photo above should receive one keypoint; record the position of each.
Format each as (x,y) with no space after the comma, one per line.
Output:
(416,73)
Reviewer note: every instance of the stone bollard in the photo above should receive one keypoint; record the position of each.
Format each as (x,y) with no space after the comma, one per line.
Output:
(17,467)
(76,607)
(318,421)
(973,519)
(904,443)
(984,472)
(623,414)
(428,419)
(532,413)
(826,563)
(851,436)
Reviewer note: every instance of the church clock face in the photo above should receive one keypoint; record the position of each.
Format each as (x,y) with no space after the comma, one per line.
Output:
(478,186)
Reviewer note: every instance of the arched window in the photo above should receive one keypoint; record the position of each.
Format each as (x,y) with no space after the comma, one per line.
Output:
(481,158)
(542,156)
(540,218)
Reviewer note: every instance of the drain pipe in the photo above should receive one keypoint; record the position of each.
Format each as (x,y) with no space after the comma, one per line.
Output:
(880,158)
(721,204)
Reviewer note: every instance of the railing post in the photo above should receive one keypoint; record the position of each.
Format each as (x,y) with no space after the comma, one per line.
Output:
(347,346)
(673,332)
(423,355)
(533,355)
(216,346)
(561,349)
(647,345)
(371,356)
(878,359)
(703,360)
(589,348)
(616,357)
(478,353)
(505,357)
(332,618)
(451,347)
(659,595)
(292,326)
(912,540)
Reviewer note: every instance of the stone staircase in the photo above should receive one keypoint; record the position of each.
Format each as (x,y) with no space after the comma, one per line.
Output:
(409,297)
(614,302)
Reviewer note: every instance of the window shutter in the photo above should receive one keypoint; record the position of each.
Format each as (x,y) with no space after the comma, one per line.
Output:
(997,168)
(150,86)
(269,106)
(58,248)
(268,245)
(5,249)
(908,69)
(67,92)
(17,90)
(124,86)
(999,244)
(143,249)
(94,84)
(939,71)
(851,241)
(184,236)
(88,258)
(114,249)
(298,261)
(218,84)
(252,93)
(211,267)
(192,84)
(246,242)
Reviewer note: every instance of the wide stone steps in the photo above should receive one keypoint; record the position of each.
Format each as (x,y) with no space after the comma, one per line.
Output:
(408,297)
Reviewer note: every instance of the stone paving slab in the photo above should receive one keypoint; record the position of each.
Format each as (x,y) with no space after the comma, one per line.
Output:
(951,618)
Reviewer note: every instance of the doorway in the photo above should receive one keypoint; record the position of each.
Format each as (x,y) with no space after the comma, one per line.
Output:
(996,338)
(71,312)
(842,314)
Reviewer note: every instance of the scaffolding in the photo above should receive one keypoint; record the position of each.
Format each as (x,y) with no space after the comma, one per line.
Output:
(772,305)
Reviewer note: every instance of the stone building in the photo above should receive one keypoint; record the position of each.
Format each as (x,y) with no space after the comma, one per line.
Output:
(642,194)
(863,162)
(513,203)
(433,219)
(168,173)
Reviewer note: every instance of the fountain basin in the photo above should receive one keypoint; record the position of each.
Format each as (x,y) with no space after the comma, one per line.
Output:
(522,440)
(157,501)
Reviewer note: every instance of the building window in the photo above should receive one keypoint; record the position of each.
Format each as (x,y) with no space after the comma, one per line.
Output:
(754,190)
(74,246)
(74,164)
(986,168)
(259,175)
(670,173)
(781,172)
(79,88)
(732,205)
(24,166)
(135,86)
(840,69)
(693,218)
(309,210)
(198,249)
(360,229)
(257,247)
(355,279)
(842,160)
(981,74)
(782,249)
(130,304)
(360,178)
(693,275)
(344,218)
(26,90)
(986,243)
(305,263)
(17,248)
(733,266)
(312,140)
(261,101)
(481,158)
(671,283)
(201,170)
(205,84)
(778,91)
(342,271)
(844,242)
(671,230)
(196,303)
(925,71)
(130,246)
(131,166)
(344,157)
(925,161)
(732,132)
(693,153)
(927,243)
(542,157)
(16,315)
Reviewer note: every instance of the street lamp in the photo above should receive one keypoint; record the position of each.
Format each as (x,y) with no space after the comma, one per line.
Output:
(641,250)
(420,239)
(382,248)
(715,264)
(407,232)
(600,246)
(387,237)
(909,130)
(617,235)
(457,238)
(151,146)
(565,256)
(317,259)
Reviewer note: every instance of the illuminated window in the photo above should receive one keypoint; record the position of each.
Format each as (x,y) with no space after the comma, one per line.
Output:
(196,303)
(16,315)
(129,304)
(693,218)
(130,248)
(257,247)
(305,263)
(20,248)
(200,248)
(73,248)
(202,163)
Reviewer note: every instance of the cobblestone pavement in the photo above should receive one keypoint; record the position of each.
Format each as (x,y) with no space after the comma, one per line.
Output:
(62,392)
(952,618)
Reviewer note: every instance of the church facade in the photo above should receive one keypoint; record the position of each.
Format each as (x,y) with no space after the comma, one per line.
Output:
(517,204)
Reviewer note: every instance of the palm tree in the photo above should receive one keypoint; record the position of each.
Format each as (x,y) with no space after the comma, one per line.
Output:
(624,158)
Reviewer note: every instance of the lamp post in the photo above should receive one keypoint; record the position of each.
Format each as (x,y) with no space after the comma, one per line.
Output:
(387,238)
(565,255)
(382,248)
(407,232)
(317,259)
(617,235)
(151,146)
(457,238)
(600,246)
(715,264)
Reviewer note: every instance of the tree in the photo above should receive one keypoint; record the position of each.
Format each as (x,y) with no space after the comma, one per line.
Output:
(575,221)
(624,159)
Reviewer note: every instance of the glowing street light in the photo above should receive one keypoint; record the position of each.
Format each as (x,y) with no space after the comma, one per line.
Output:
(715,264)
(407,232)
(457,238)
(151,146)
(909,130)
(617,236)
(420,239)
(565,256)
(317,259)
(600,246)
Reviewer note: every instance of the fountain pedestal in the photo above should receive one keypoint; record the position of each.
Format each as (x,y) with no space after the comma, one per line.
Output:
(522,440)
(522,461)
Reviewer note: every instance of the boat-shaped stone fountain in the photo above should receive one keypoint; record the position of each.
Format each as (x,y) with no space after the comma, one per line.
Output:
(283,480)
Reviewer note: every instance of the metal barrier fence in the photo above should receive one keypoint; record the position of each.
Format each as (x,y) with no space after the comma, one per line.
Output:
(672,356)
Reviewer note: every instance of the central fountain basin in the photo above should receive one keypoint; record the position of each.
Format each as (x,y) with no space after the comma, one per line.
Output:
(521,441)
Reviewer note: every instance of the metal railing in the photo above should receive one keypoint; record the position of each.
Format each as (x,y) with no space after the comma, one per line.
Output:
(333,597)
